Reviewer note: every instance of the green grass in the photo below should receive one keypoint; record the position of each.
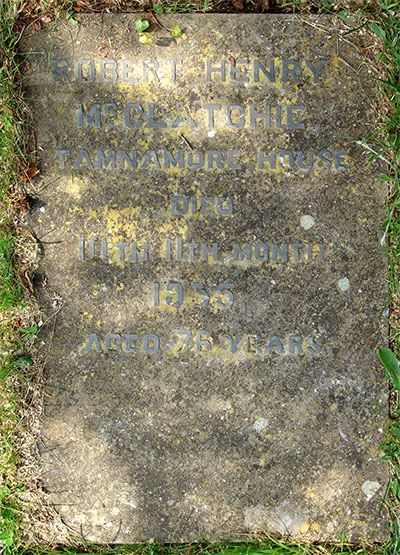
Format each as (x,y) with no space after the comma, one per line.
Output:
(8,524)
(385,142)
(269,546)
(183,6)
(11,115)
(385,145)
(11,291)
(383,19)
(12,160)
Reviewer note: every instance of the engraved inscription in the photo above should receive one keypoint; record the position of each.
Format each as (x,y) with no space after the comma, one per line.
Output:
(176,249)
(202,341)
(210,222)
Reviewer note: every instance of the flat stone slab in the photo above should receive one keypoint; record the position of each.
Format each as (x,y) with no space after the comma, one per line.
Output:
(212,281)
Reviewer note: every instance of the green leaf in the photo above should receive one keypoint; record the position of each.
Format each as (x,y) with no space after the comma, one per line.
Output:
(385,177)
(70,19)
(176,31)
(5,490)
(6,513)
(6,538)
(391,364)
(145,38)
(158,9)
(345,16)
(141,25)
(378,30)
(22,362)
(30,331)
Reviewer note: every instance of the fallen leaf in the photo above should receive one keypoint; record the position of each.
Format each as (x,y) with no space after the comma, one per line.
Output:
(36,25)
(29,173)
(25,279)
(145,38)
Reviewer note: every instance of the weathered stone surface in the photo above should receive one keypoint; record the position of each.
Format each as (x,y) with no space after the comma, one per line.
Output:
(232,388)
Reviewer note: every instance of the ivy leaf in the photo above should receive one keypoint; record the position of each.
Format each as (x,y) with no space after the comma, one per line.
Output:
(176,31)
(141,25)
(158,9)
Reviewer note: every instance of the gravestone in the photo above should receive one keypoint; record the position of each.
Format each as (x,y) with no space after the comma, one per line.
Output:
(212,281)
